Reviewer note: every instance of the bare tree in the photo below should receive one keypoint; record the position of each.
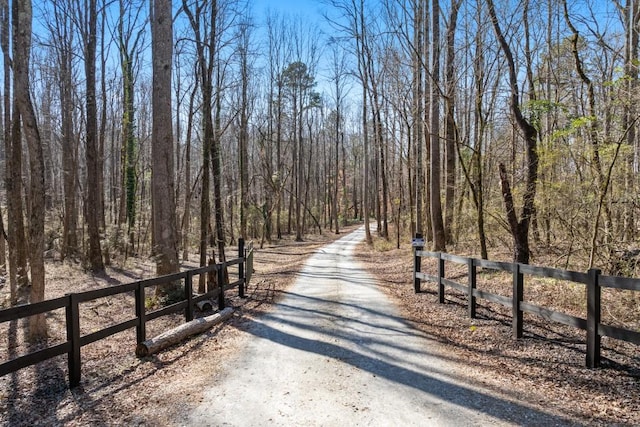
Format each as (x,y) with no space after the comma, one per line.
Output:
(62,40)
(130,38)
(204,59)
(209,21)
(519,227)
(630,17)
(278,57)
(162,179)
(22,17)
(244,43)
(13,169)
(474,172)
(355,27)
(451,134)
(338,72)
(376,95)
(437,224)
(186,216)
(299,82)
(418,111)
(87,26)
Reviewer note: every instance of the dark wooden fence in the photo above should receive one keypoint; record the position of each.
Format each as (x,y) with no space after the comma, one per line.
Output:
(71,304)
(593,280)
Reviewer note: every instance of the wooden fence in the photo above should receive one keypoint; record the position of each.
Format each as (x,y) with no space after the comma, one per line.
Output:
(71,304)
(593,280)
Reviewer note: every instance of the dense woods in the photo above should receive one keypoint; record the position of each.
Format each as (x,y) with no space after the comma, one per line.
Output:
(169,129)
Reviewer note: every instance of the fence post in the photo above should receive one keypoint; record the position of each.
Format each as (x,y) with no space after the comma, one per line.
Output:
(188,294)
(518,295)
(248,267)
(472,288)
(73,336)
(241,276)
(440,276)
(594,293)
(221,284)
(417,263)
(141,329)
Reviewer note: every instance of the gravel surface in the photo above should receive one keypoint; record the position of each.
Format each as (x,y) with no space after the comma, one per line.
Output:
(537,380)
(335,351)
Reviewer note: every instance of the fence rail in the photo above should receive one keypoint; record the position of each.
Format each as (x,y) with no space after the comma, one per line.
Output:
(71,303)
(593,280)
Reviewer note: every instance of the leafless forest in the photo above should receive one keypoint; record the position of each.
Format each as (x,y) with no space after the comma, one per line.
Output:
(167,129)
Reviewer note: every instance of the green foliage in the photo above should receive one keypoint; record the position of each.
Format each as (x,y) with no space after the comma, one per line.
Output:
(170,293)
(128,123)
(131,195)
(574,125)
(151,303)
(297,77)
(315,100)
(534,110)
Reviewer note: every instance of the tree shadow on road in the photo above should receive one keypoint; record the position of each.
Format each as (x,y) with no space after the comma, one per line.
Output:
(420,379)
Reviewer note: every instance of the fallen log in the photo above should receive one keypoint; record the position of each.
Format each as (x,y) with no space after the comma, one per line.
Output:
(204,305)
(178,334)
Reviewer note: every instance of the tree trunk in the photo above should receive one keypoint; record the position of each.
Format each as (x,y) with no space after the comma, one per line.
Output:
(129,141)
(68,141)
(204,58)
(186,217)
(338,71)
(629,228)
(13,171)
(450,125)
(279,166)
(519,228)
(22,47)
(102,221)
(418,115)
(178,334)
(476,183)
(362,70)
(593,134)
(91,152)
(243,139)
(437,224)
(216,161)
(162,151)
(297,161)
(383,207)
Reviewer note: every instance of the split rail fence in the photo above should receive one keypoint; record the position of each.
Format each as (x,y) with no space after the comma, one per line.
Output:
(593,280)
(71,304)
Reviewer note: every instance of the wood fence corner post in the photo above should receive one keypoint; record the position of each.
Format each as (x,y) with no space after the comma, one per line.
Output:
(518,296)
(220,270)
(73,336)
(241,274)
(188,294)
(417,264)
(472,287)
(594,295)
(141,328)
(441,274)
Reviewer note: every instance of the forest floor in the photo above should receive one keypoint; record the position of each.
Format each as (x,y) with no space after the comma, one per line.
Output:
(545,369)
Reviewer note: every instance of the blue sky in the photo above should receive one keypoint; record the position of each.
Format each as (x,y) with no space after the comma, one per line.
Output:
(309,8)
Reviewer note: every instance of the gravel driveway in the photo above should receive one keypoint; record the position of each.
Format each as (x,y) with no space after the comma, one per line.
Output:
(335,352)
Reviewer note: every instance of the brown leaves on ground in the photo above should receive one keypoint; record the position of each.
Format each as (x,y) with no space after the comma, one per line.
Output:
(117,388)
(545,369)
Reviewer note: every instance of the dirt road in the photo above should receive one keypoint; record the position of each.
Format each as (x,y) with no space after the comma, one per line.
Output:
(335,352)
